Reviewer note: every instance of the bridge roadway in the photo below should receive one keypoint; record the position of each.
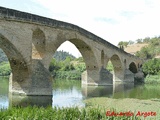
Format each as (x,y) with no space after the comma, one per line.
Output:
(29,41)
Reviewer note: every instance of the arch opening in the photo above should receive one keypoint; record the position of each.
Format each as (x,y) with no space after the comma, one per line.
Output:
(82,62)
(133,68)
(5,69)
(67,62)
(17,63)
(117,68)
(110,66)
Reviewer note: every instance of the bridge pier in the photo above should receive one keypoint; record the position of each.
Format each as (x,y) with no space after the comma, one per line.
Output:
(104,77)
(128,76)
(37,82)
(97,77)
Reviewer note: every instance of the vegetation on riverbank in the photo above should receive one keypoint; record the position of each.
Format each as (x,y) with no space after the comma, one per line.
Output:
(134,105)
(5,69)
(70,68)
(49,113)
(151,69)
(152,79)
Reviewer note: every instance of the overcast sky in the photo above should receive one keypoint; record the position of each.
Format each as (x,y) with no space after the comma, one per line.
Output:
(112,20)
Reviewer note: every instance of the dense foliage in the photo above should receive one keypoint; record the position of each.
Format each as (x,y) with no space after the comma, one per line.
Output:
(152,67)
(67,69)
(5,69)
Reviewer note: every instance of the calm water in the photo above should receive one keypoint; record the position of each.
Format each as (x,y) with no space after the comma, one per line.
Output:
(67,93)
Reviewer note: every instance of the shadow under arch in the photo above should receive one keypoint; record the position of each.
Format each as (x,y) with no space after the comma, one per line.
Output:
(133,67)
(20,70)
(117,67)
(38,44)
(102,58)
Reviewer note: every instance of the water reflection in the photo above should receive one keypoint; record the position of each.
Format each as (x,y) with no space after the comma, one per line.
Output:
(106,91)
(67,97)
(71,93)
(70,96)
(23,101)
(4,101)
(97,91)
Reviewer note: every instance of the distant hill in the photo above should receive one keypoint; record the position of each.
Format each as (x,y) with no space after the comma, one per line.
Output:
(133,48)
(59,56)
(146,48)
(62,55)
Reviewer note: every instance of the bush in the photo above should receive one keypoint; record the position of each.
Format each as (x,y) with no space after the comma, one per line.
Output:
(69,75)
(5,69)
(152,67)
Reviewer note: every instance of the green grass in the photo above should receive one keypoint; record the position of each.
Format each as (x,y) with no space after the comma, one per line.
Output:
(40,113)
(125,105)
(152,79)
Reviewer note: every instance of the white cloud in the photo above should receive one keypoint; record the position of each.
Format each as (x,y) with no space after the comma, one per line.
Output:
(108,18)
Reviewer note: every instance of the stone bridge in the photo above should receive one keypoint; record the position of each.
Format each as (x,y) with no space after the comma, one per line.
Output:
(29,41)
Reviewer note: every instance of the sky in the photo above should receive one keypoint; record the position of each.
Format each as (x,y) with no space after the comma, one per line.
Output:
(112,20)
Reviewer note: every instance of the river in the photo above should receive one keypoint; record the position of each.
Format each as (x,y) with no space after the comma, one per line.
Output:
(67,93)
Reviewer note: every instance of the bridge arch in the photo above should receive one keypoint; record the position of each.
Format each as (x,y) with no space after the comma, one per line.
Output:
(118,68)
(86,50)
(133,67)
(19,67)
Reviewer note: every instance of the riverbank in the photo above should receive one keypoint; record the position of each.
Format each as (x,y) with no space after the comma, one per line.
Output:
(126,104)
(152,79)
(96,109)
(49,113)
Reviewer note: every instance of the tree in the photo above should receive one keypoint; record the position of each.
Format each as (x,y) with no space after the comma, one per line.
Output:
(131,42)
(144,53)
(146,40)
(152,67)
(54,66)
(123,43)
(139,40)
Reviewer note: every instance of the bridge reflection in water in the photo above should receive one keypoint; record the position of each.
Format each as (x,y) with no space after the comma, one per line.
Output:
(86,91)
(105,91)
(24,101)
